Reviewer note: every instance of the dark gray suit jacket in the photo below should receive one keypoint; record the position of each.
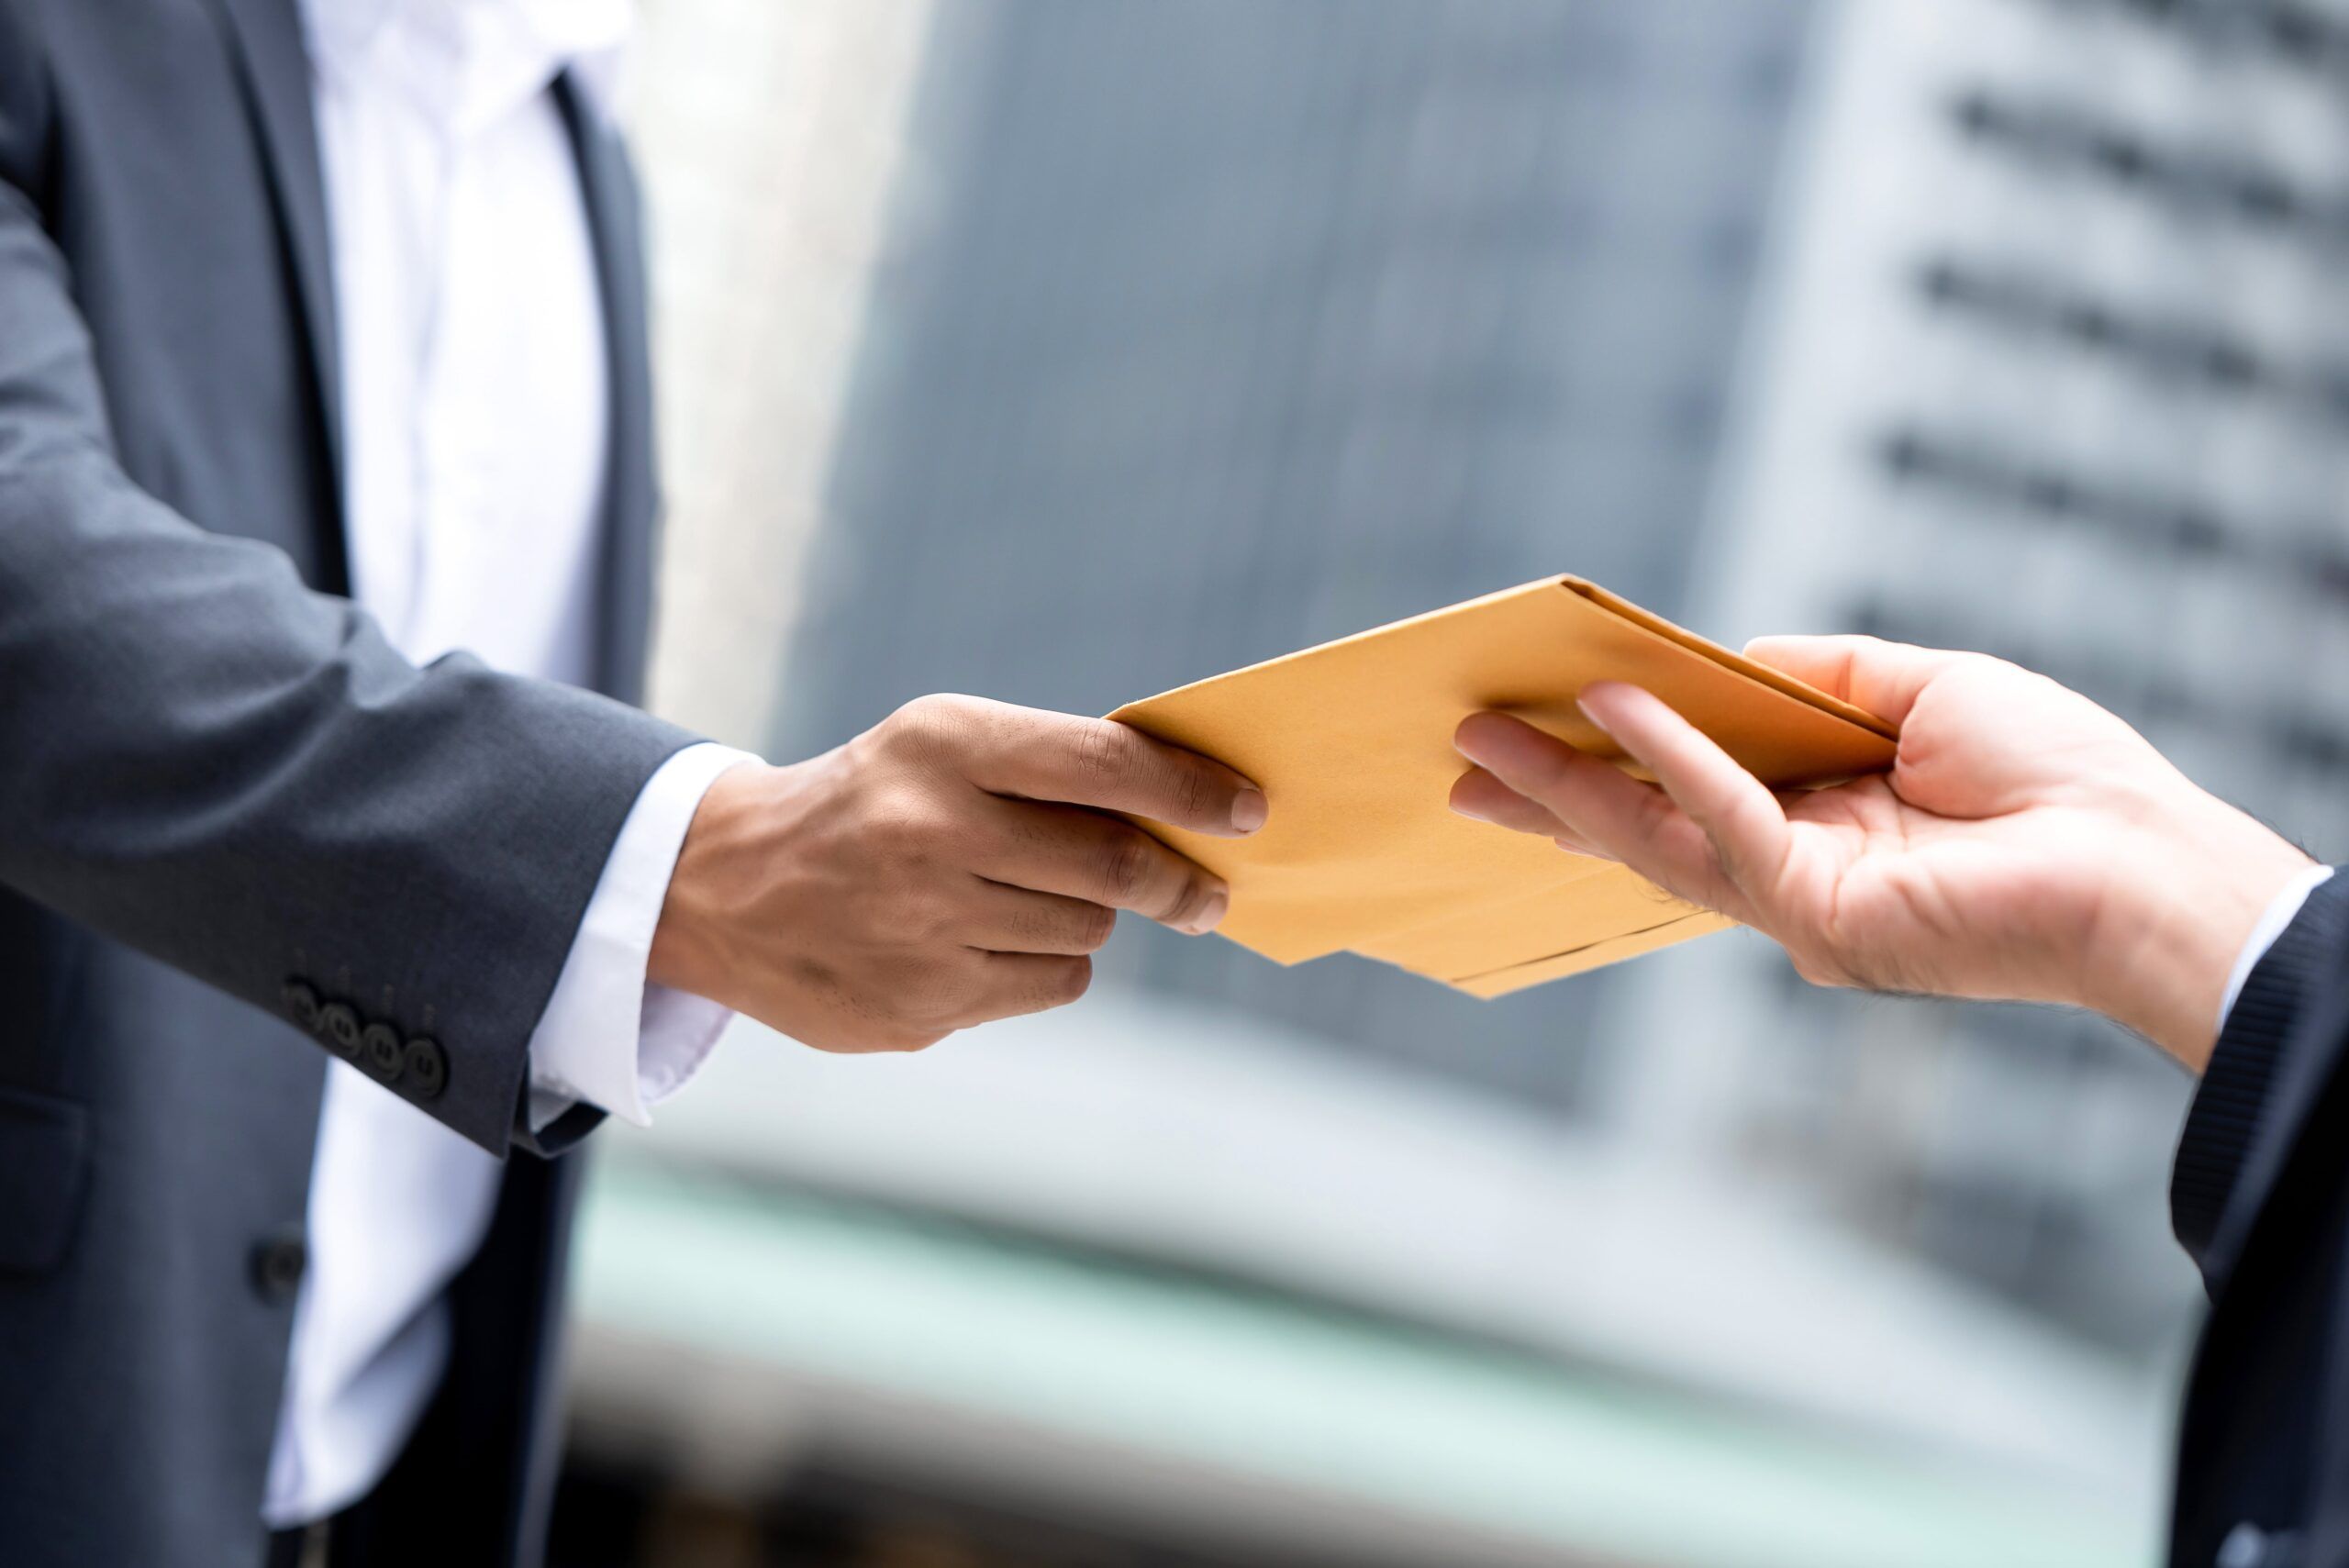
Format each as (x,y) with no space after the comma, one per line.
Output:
(236,831)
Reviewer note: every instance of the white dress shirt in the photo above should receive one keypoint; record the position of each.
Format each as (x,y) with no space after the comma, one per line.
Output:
(474,408)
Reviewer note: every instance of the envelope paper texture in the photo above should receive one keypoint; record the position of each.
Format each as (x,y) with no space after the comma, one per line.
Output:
(1352,742)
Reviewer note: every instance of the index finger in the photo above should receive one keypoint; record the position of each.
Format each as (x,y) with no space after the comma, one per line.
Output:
(1036,755)
(1603,807)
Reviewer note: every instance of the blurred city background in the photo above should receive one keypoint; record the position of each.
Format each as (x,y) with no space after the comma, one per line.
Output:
(1064,352)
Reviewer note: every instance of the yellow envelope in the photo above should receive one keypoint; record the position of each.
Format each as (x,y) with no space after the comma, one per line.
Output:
(1351,741)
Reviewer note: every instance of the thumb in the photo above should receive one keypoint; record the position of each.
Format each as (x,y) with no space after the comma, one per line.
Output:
(1883,678)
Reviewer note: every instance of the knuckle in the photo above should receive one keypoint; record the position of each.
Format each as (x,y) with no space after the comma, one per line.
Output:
(1125,861)
(1199,795)
(931,996)
(1545,774)
(928,915)
(1095,926)
(1189,900)
(928,710)
(937,1012)
(1101,752)
(911,720)
(1657,812)
(1068,980)
(928,722)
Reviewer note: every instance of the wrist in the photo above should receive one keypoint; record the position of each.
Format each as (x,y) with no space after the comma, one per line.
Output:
(691,943)
(2184,909)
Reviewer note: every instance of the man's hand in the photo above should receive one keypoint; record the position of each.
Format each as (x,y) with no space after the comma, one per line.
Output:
(2026,845)
(951,865)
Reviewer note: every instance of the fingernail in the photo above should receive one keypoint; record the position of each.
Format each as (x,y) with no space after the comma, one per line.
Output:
(1210,914)
(1584,708)
(1472,816)
(1464,740)
(1250,811)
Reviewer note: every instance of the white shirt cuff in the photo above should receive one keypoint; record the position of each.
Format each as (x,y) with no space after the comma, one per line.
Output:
(2279,913)
(607,1037)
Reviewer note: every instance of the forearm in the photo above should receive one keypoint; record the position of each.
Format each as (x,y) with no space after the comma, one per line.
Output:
(213,764)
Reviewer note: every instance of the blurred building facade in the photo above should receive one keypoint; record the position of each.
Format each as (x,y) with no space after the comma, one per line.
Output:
(775,138)
(1152,340)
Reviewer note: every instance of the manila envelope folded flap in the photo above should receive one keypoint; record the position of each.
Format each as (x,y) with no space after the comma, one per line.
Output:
(1352,743)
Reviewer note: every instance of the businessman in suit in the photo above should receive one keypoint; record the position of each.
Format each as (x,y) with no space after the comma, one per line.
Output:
(322,358)
(2027,845)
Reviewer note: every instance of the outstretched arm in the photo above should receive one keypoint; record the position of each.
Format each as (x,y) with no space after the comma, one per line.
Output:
(204,759)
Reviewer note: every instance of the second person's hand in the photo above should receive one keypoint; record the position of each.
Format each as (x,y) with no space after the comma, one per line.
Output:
(2026,845)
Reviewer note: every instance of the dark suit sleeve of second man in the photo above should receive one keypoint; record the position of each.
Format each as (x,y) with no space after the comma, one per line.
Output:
(201,757)
(2260,1198)
(2272,1062)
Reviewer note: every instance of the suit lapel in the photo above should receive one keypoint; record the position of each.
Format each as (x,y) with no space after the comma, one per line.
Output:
(631,501)
(276,71)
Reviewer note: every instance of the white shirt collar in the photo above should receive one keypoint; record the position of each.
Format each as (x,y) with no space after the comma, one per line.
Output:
(472,61)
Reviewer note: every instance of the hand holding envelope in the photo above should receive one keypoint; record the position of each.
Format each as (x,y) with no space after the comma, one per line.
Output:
(1351,741)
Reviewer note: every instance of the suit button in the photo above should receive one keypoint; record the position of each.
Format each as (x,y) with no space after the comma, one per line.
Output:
(339,1025)
(301,1005)
(428,1067)
(379,1051)
(2248,1546)
(278,1260)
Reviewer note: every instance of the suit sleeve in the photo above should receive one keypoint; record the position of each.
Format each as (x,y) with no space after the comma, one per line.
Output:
(2272,1054)
(203,759)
